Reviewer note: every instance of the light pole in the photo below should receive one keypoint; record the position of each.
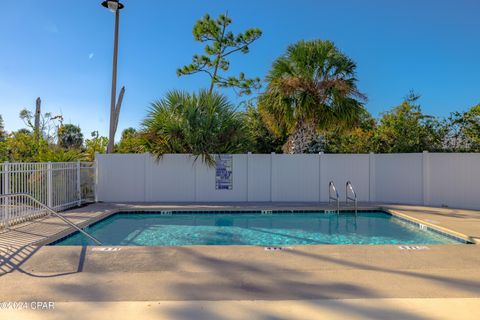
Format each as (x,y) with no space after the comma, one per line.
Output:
(114,6)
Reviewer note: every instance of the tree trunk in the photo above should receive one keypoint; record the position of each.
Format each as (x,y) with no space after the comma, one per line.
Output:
(36,130)
(298,142)
(114,121)
(116,114)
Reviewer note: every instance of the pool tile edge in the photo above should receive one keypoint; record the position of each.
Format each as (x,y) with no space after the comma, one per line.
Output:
(465,239)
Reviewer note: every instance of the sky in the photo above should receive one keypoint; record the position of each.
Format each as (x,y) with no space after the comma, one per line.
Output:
(61,51)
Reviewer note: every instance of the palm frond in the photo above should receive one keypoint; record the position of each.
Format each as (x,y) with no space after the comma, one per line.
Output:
(312,82)
(200,124)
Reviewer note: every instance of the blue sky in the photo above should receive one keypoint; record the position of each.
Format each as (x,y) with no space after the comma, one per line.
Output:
(62,51)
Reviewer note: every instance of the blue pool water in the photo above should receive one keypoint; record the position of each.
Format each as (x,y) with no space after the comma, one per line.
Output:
(155,229)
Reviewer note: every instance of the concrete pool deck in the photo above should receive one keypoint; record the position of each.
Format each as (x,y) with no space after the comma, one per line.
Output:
(385,309)
(242,282)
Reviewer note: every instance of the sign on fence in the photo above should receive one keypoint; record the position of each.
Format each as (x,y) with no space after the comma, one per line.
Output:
(224,172)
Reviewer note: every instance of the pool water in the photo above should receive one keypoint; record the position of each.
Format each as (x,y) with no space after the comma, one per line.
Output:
(307,228)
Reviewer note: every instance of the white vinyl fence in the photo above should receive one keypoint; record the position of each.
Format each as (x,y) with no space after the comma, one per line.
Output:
(59,185)
(451,179)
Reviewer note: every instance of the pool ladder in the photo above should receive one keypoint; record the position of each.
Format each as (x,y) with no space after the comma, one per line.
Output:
(11,200)
(350,195)
(333,195)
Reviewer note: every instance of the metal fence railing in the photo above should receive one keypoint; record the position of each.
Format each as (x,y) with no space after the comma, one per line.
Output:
(58,185)
(17,204)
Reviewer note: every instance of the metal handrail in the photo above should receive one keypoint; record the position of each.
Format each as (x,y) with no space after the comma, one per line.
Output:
(336,197)
(7,195)
(348,187)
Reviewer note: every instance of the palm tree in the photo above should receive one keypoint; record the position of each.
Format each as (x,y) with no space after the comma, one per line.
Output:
(200,124)
(69,136)
(312,87)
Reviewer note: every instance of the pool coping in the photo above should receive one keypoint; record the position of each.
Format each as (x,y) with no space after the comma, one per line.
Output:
(454,235)
(432,227)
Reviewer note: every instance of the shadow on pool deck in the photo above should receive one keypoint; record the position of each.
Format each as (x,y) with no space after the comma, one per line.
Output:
(306,273)
(341,307)
(470,285)
(285,289)
(12,259)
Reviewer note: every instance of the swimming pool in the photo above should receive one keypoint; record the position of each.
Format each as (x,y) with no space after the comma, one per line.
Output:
(255,228)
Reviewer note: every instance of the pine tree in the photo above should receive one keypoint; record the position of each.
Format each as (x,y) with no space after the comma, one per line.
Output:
(220,44)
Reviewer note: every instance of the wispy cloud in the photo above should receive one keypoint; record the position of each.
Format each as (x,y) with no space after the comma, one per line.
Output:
(90,56)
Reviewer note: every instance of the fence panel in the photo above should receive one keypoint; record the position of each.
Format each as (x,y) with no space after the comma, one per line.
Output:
(60,185)
(454,180)
(173,180)
(415,178)
(341,168)
(87,182)
(399,178)
(295,177)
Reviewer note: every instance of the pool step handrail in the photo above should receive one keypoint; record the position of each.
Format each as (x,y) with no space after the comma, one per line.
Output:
(352,197)
(335,196)
(51,211)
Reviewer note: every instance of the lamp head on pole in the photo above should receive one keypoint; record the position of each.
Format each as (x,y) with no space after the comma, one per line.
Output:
(113,5)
